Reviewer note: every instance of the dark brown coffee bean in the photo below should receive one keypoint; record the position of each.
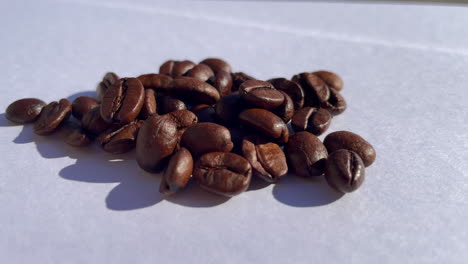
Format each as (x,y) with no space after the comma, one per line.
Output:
(313,120)
(222,81)
(350,141)
(198,107)
(331,79)
(123,101)
(177,173)
(107,81)
(217,64)
(204,113)
(228,108)
(265,122)
(182,67)
(194,90)
(93,123)
(238,78)
(75,135)
(202,138)
(122,139)
(149,105)
(306,154)
(261,94)
(286,110)
(266,158)
(157,82)
(166,67)
(159,136)
(81,105)
(315,89)
(336,104)
(24,110)
(344,171)
(292,89)
(202,72)
(51,116)
(223,173)
(167,104)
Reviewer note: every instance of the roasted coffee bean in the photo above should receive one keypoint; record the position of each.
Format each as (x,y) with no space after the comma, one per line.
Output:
(177,173)
(194,90)
(331,79)
(149,105)
(93,123)
(228,108)
(266,158)
(286,110)
(266,122)
(81,105)
(159,136)
(75,135)
(306,154)
(238,78)
(51,116)
(261,94)
(202,72)
(222,81)
(107,81)
(176,68)
(223,173)
(217,64)
(202,138)
(204,113)
(157,82)
(167,104)
(122,139)
(344,171)
(350,141)
(123,101)
(315,89)
(336,104)
(292,89)
(24,110)
(166,67)
(313,120)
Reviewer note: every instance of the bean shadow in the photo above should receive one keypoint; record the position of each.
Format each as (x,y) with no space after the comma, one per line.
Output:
(194,196)
(300,192)
(4,122)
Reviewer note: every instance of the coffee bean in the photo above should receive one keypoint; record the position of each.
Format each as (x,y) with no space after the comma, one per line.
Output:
(313,120)
(217,64)
(107,81)
(75,134)
(121,140)
(159,136)
(227,109)
(194,90)
(149,105)
(51,116)
(331,79)
(261,94)
(157,82)
(176,68)
(238,78)
(344,171)
(350,141)
(266,158)
(336,104)
(24,110)
(123,101)
(167,104)
(286,110)
(222,81)
(290,88)
(177,173)
(204,113)
(81,105)
(202,72)
(306,154)
(93,123)
(265,122)
(166,67)
(216,138)
(223,173)
(315,89)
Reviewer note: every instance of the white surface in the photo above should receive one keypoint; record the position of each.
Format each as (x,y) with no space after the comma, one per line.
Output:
(406,73)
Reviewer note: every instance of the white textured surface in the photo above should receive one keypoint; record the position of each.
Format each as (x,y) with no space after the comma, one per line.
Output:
(406,75)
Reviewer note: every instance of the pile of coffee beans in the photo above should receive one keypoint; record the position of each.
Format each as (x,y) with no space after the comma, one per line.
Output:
(218,127)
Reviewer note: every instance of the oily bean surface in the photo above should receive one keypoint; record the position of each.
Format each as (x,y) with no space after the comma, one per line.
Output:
(238,78)
(306,154)
(149,105)
(121,140)
(155,81)
(350,141)
(123,101)
(202,72)
(315,89)
(336,104)
(81,105)
(194,90)
(217,64)
(107,81)
(51,116)
(286,110)
(25,110)
(292,89)
(167,104)
(261,94)
(344,170)
(313,120)
(222,81)
(177,173)
(265,122)
(93,123)
(332,79)
(207,137)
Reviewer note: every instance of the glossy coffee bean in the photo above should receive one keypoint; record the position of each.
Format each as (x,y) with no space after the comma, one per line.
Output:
(217,64)
(177,173)
(229,107)
(222,81)
(350,141)
(123,101)
(81,105)
(24,110)
(149,105)
(159,136)
(306,154)
(176,68)
(157,82)
(107,81)
(121,140)
(75,135)
(261,94)
(292,89)
(313,120)
(223,173)
(344,171)
(266,158)
(167,104)
(166,67)
(194,90)
(265,122)
(238,78)
(336,104)
(202,138)
(315,89)
(331,79)
(51,116)
(93,123)
(286,110)
(202,72)
(204,113)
